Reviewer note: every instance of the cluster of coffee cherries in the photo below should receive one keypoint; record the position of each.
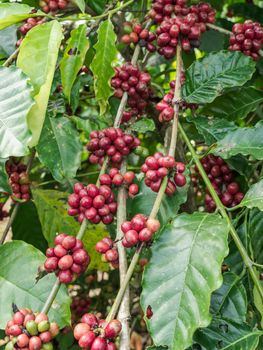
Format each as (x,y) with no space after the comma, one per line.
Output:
(135,33)
(166,105)
(108,250)
(19,180)
(139,229)
(95,334)
(157,167)
(128,78)
(30,331)
(115,178)
(53,5)
(94,203)
(79,306)
(67,259)
(29,24)
(3,212)
(188,24)
(222,179)
(111,142)
(248,38)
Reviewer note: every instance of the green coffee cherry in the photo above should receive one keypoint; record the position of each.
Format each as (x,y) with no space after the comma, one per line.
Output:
(47,346)
(9,346)
(127,29)
(31,327)
(43,326)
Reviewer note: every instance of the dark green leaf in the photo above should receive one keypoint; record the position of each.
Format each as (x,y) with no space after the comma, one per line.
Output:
(37,59)
(26,226)
(143,125)
(59,148)
(212,40)
(255,229)
(208,77)
(185,268)
(234,260)
(254,196)
(73,58)
(235,104)
(18,270)
(227,335)
(52,211)
(14,13)
(230,300)
(249,10)
(246,141)
(144,200)
(101,65)
(212,129)
(4,183)
(15,103)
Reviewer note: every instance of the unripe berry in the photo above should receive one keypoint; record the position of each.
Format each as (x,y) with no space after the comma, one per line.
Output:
(31,327)
(153,225)
(54,329)
(43,326)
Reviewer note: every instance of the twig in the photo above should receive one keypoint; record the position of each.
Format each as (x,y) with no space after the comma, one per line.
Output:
(17,204)
(11,58)
(124,311)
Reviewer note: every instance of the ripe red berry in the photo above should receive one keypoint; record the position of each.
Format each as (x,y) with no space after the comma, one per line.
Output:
(90,319)
(80,329)
(179,180)
(65,276)
(87,339)
(99,344)
(113,329)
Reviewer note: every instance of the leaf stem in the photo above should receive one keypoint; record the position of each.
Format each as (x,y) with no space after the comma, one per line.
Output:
(247,261)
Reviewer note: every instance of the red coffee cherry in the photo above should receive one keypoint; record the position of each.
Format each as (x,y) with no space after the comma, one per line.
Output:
(19,182)
(247,38)
(67,258)
(53,6)
(113,329)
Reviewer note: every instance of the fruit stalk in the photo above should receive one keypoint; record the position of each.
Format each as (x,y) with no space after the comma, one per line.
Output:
(155,208)
(247,261)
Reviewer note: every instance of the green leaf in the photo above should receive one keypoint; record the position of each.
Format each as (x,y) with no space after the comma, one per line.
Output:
(52,211)
(37,58)
(212,129)
(8,39)
(208,77)
(254,196)
(246,141)
(101,65)
(144,200)
(81,5)
(212,40)
(185,268)
(14,13)
(15,103)
(255,229)
(18,270)
(230,300)
(73,57)
(4,183)
(227,335)
(143,125)
(26,226)
(59,148)
(235,104)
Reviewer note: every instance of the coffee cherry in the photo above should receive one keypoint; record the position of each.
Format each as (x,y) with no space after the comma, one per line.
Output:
(113,329)
(31,327)
(87,339)
(80,329)
(19,181)
(247,38)
(111,346)
(90,319)
(99,344)
(35,343)
(179,180)
(53,6)
(67,262)
(45,337)
(153,225)
(22,340)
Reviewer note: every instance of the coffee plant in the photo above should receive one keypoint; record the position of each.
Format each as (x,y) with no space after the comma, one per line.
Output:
(131,175)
